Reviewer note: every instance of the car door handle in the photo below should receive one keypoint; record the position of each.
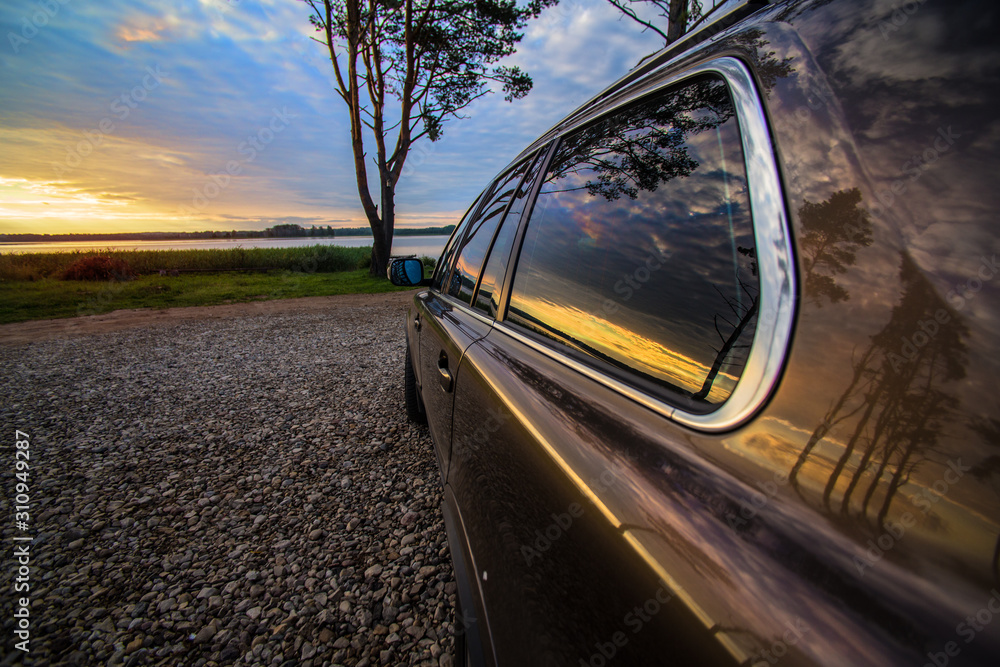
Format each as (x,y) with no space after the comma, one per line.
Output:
(416,322)
(446,379)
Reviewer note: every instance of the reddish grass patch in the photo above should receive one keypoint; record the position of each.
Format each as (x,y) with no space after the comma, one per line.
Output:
(98,267)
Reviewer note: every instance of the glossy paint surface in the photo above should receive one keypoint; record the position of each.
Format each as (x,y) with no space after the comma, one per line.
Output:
(856,518)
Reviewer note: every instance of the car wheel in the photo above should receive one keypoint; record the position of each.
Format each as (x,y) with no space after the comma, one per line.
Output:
(414,405)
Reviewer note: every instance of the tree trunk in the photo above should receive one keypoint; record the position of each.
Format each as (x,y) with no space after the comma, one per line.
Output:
(859,428)
(678,20)
(874,485)
(897,481)
(888,422)
(820,432)
(727,347)
(382,237)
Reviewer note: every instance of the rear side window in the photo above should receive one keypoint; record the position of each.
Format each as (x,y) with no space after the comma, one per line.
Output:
(444,264)
(639,256)
(477,242)
(487,298)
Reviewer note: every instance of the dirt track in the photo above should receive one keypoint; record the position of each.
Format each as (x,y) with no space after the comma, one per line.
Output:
(39,330)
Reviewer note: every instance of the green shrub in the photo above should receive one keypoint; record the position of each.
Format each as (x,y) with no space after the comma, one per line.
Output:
(35,266)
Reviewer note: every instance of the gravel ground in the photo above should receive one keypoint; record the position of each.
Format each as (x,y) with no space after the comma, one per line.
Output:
(240,491)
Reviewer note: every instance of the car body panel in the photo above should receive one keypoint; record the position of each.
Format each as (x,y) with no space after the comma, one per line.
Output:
(856,518)
(472,622)
(442,338)
(531,460)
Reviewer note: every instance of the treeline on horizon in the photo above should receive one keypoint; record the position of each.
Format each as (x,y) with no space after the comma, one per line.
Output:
(278,231)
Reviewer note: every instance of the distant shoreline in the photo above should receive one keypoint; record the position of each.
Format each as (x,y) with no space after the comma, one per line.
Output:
(315,232)
(430,246)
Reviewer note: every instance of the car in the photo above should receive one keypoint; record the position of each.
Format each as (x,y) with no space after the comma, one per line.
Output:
(711,367)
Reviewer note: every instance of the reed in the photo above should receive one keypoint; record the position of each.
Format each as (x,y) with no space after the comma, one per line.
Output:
(306,259)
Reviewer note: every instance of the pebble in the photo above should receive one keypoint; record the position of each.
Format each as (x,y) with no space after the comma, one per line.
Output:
(205,634)
(228,491)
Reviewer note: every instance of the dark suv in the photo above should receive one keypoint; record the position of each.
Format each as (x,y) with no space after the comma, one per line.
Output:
(711,368)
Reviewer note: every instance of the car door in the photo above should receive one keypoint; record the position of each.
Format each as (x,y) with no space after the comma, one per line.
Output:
(634,300)
(447,322)
(436,331)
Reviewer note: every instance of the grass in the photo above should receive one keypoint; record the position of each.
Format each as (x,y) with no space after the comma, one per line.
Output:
(49,298)
(318,258)
(31,288)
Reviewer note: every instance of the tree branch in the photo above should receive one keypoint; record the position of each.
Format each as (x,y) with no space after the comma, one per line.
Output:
(629,12)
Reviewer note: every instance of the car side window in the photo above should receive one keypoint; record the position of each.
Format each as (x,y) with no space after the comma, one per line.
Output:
(477,241)
(639,255)
(496,266)
(444,264)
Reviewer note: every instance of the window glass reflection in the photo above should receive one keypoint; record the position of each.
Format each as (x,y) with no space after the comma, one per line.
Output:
(477,241)
(639,254)
(444,264)
(496,265)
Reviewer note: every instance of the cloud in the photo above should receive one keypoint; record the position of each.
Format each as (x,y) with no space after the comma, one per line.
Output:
(226,67)
(150,32)
(572,51)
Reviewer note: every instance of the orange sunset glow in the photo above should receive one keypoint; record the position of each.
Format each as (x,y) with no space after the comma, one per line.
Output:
(222,114)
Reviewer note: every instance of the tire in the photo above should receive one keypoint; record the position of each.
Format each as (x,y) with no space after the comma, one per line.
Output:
(411,394)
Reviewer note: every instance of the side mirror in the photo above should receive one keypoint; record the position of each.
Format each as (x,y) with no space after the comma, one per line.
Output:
(406,272)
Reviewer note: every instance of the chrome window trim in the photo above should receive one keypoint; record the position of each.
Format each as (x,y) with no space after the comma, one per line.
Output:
(775,261)
(465,308)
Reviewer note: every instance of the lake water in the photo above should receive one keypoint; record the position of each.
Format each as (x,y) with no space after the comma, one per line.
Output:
(430,246)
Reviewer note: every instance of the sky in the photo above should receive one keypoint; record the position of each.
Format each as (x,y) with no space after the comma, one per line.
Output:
(134,115)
